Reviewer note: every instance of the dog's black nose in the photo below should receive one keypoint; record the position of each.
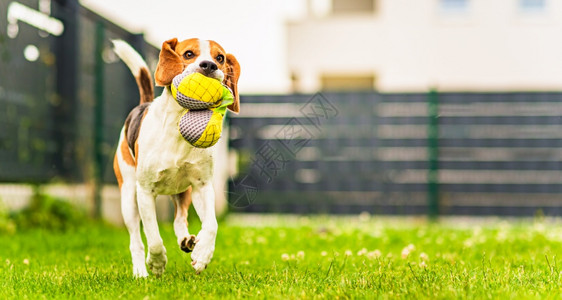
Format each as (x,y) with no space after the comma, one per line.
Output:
(208,66)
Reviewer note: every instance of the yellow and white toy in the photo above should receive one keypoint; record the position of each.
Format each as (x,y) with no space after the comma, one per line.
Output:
(205,100)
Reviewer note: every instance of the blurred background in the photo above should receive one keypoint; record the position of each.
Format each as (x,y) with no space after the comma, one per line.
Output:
(425,107)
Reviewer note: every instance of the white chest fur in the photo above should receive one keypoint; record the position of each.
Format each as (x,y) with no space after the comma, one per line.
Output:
(166,163)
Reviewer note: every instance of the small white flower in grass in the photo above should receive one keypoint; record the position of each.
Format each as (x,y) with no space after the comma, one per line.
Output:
(362,252)
(374,254)
(424,256)
(300,254)
(407,250)
(405,253)
(26,261)
(423,265)
(293,257)
(324,253)
(348,253)
(285,257)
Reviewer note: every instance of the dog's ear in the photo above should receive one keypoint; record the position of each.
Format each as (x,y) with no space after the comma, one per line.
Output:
(231,80)
(169,63)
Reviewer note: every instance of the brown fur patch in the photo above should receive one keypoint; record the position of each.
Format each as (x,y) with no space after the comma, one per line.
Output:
(171,61)
(231,80)
(231,69)
(188,45)
(117,171)
(136,151)
(144,82)
(185,201)
(186,198)
(126,154)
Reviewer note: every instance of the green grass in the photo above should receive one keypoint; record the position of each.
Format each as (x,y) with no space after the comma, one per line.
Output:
(486,260)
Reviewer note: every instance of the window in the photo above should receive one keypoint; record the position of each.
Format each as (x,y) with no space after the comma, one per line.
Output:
(353,6)
(532,6)
(348,82)
(453,6)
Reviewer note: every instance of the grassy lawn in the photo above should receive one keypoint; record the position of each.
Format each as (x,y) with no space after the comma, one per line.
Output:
(291,257)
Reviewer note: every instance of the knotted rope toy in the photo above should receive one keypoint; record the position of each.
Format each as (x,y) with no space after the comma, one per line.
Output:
(205,100)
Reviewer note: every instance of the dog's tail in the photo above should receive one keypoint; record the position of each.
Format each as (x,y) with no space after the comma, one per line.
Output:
(138,67)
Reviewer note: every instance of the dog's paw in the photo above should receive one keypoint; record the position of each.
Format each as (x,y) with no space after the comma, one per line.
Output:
(157,262)
(199,266)
(187,244)
(203,252)
(140,271)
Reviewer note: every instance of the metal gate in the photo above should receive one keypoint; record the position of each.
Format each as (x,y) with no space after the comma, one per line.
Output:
(413,153)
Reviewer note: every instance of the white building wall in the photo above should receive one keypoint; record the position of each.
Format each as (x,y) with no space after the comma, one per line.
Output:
(412,45)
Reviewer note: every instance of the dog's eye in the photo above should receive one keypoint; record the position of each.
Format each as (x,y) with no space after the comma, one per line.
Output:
(220,58)
(188,54)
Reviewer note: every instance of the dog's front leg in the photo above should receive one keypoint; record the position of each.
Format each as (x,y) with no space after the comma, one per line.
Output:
(204,202)
(156,258)
(131,218)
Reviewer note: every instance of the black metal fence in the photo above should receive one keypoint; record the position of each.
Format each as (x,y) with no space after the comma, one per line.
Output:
(63,95)
(425,153)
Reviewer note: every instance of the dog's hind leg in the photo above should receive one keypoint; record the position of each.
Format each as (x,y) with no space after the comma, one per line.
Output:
(156,258)
(181,203)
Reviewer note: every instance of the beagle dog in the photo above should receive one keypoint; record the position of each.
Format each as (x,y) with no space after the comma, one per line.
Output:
(152,157)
